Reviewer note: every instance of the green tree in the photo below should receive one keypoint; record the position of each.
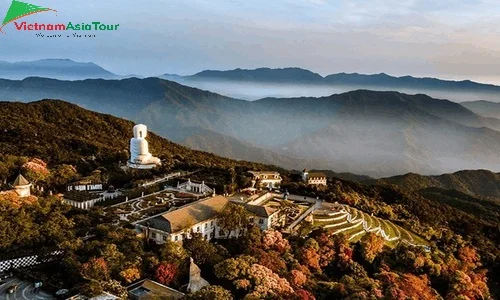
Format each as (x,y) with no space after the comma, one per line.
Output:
(113,257)
(233,268)
(211,292)
(202,251)
(63,175)
(173,253)
(233,217)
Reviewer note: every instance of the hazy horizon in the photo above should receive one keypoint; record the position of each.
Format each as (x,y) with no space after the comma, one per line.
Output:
(487,80)
(418,38)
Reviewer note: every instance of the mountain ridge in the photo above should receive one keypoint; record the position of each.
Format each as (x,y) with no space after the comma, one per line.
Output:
(479,183)
(231,82)
(338,132)
(54,68)
(282,74)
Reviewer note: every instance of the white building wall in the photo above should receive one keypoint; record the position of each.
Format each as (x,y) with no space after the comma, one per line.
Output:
(207,229)
(317,181)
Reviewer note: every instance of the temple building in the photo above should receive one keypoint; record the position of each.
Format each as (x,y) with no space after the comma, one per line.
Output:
(178,225)
(140,158)
(22,186)
(195,187)
(266,179)
(196,282)
(20,194)
(314,178)
(202,217)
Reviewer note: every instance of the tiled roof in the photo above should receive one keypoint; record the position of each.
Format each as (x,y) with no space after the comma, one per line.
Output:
(149,289)
(259,210)
(316,175)
(20,180)
(188,215)
(264,172)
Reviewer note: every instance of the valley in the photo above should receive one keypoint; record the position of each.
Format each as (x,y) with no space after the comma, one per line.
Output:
(373,133)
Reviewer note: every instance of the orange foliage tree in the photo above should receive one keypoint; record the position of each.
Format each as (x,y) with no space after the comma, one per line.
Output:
(130,274)
(95,268)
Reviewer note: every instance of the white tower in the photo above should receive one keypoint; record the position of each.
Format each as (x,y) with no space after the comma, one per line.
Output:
(140,158)
(22,186)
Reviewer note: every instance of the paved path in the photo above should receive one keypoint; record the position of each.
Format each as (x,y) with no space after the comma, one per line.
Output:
(136,203)
(170,176)
(24,291)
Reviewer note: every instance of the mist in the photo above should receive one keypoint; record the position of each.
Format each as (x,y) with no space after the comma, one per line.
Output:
(365,132)
(256,90)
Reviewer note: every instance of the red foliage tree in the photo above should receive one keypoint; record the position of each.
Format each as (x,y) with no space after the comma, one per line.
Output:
(166,272)
(304,295)
(326,249)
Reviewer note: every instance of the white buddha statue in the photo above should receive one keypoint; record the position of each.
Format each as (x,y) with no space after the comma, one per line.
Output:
(139,149)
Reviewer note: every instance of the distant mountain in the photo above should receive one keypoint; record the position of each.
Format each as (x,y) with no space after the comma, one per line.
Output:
(316,85)
(483,108)
(131,76)
(383,79)
(172,77)
(285,75)
(475,183)
(361,132)
(65,69)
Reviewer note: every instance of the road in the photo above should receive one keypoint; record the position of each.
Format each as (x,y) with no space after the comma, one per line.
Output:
(24,291)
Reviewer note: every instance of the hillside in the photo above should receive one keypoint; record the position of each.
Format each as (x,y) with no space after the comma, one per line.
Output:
(364,132)
(475,183)
(53,68)
(483,108)
(60,132)
(226,146)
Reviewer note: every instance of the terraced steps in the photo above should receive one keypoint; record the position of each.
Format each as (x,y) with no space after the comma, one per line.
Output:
(354,224)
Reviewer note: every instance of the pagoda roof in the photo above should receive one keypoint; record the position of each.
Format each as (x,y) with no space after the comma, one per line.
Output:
(21,181)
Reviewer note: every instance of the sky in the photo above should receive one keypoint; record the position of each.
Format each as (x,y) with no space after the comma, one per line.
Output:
(451,39)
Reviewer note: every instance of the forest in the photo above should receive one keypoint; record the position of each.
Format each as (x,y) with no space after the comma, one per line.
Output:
(53,150)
